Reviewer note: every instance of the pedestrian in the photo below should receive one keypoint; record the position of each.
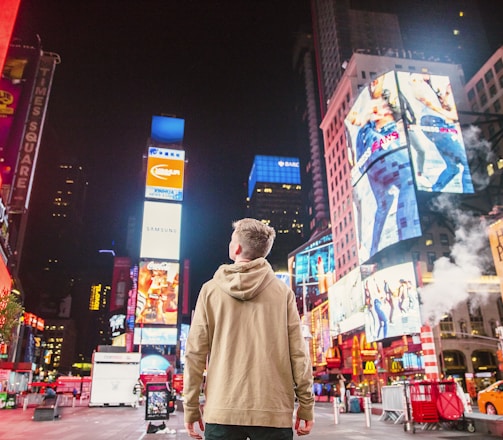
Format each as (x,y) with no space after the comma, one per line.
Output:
(246,332)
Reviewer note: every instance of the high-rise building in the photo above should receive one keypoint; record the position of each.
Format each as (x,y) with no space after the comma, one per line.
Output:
(275,198)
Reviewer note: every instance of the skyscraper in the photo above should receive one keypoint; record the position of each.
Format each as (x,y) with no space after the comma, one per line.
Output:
(275,198)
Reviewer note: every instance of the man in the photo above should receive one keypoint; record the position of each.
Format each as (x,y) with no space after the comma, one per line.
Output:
(246,333)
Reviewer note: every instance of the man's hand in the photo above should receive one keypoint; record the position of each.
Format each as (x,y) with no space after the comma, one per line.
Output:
(190,429)
(303,430)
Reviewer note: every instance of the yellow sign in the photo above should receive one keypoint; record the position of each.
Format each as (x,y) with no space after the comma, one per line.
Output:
(495,232)
(370,368)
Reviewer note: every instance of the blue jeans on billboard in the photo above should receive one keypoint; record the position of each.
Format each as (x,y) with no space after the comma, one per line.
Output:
(450,149)
(382,318)
(213,431)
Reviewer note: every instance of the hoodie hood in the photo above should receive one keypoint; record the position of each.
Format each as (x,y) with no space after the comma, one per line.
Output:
(244,281)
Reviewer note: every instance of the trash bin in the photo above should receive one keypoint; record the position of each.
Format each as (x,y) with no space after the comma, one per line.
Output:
(354,404)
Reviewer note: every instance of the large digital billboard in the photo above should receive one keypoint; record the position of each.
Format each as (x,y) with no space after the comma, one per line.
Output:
(160,238)
(436,142)
(391,302)
(155,335)
(165,170)
(314,269)
(346,307)
(383,186)
(321,334)
(274,169)
(157,296)
(121,283)
(167,130)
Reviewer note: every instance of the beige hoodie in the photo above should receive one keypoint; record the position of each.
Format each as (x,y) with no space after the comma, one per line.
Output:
(246,322)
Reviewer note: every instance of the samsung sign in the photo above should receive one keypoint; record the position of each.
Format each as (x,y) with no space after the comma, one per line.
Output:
(274,169)
(161,226)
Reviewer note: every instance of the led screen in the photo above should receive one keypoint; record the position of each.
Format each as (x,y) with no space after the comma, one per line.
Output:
(167,130)
(155,336)
(314,269)
(391,303)
(346,304)
(157,297)
(160,237)
(165,170)
(385,205)
(274,169)
(321,334)
(436,143)
(374,124)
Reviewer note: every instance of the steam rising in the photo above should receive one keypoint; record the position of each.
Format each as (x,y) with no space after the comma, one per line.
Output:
(455,278)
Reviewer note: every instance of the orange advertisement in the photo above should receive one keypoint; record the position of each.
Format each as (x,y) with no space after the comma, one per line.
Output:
(165,169)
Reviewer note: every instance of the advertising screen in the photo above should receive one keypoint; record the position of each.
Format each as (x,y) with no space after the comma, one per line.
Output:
(314,269)
(346,305)
(274,169)
(155,335)
(121,283)
(321,334)
(391,303)
(167,130)
(436,142)
(385,205)
(374,125)
(161,227)
(381,174)
(157,296)
(165,170)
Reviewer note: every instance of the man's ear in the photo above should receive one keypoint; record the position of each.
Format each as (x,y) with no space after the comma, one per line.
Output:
(239,249)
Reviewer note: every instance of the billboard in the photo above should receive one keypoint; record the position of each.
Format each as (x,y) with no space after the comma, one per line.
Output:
(314,269)
(9,14)
(274,169)
(28,153)
(161,228)
(321,334)
(495,232)
(384,196)
(167,130)
(391,302)
(121,283)
(346,306)
(155,335)
(157,296)
(165,170)
(436,143)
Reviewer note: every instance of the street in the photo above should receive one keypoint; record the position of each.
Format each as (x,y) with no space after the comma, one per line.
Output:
(125,423)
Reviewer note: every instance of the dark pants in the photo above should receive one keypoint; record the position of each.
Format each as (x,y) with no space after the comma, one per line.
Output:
(213,431)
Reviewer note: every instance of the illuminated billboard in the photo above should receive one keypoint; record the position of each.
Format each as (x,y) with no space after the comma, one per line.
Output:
(155,336)
(9,14)
(391,303)
(314,269)
(167,130)
(384,195)
(157,296)
(274,169)
(121,283)
(321,334)
(165,170)
(160,238)
(346,306)
(436,142)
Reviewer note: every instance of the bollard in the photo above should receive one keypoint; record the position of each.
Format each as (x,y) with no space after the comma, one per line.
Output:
(367,408)
(25,402)
(336,410)
(73,401)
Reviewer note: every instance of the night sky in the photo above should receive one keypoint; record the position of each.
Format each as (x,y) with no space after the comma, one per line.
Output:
(223,66)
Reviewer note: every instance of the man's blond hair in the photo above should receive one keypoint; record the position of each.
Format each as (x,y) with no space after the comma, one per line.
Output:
(256,238)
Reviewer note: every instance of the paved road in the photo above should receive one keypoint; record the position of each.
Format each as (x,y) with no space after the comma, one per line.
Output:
(125,423)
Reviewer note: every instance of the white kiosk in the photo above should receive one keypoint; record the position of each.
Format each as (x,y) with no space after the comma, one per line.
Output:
(113,378)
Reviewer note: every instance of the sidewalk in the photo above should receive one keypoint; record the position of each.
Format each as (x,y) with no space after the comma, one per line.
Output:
(125,423)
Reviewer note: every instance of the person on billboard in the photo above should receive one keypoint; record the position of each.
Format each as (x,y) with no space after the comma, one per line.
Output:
(438,119)
(387,166)
(246,331)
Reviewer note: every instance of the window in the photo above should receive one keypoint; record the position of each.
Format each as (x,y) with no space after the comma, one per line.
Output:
(364,74)
(447,327)
(489,76)
(416,256)
(479,86)
(471,94)
(498,65)
(483,99)
(497,106)
(428,239)
(492,90)
(444,239)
